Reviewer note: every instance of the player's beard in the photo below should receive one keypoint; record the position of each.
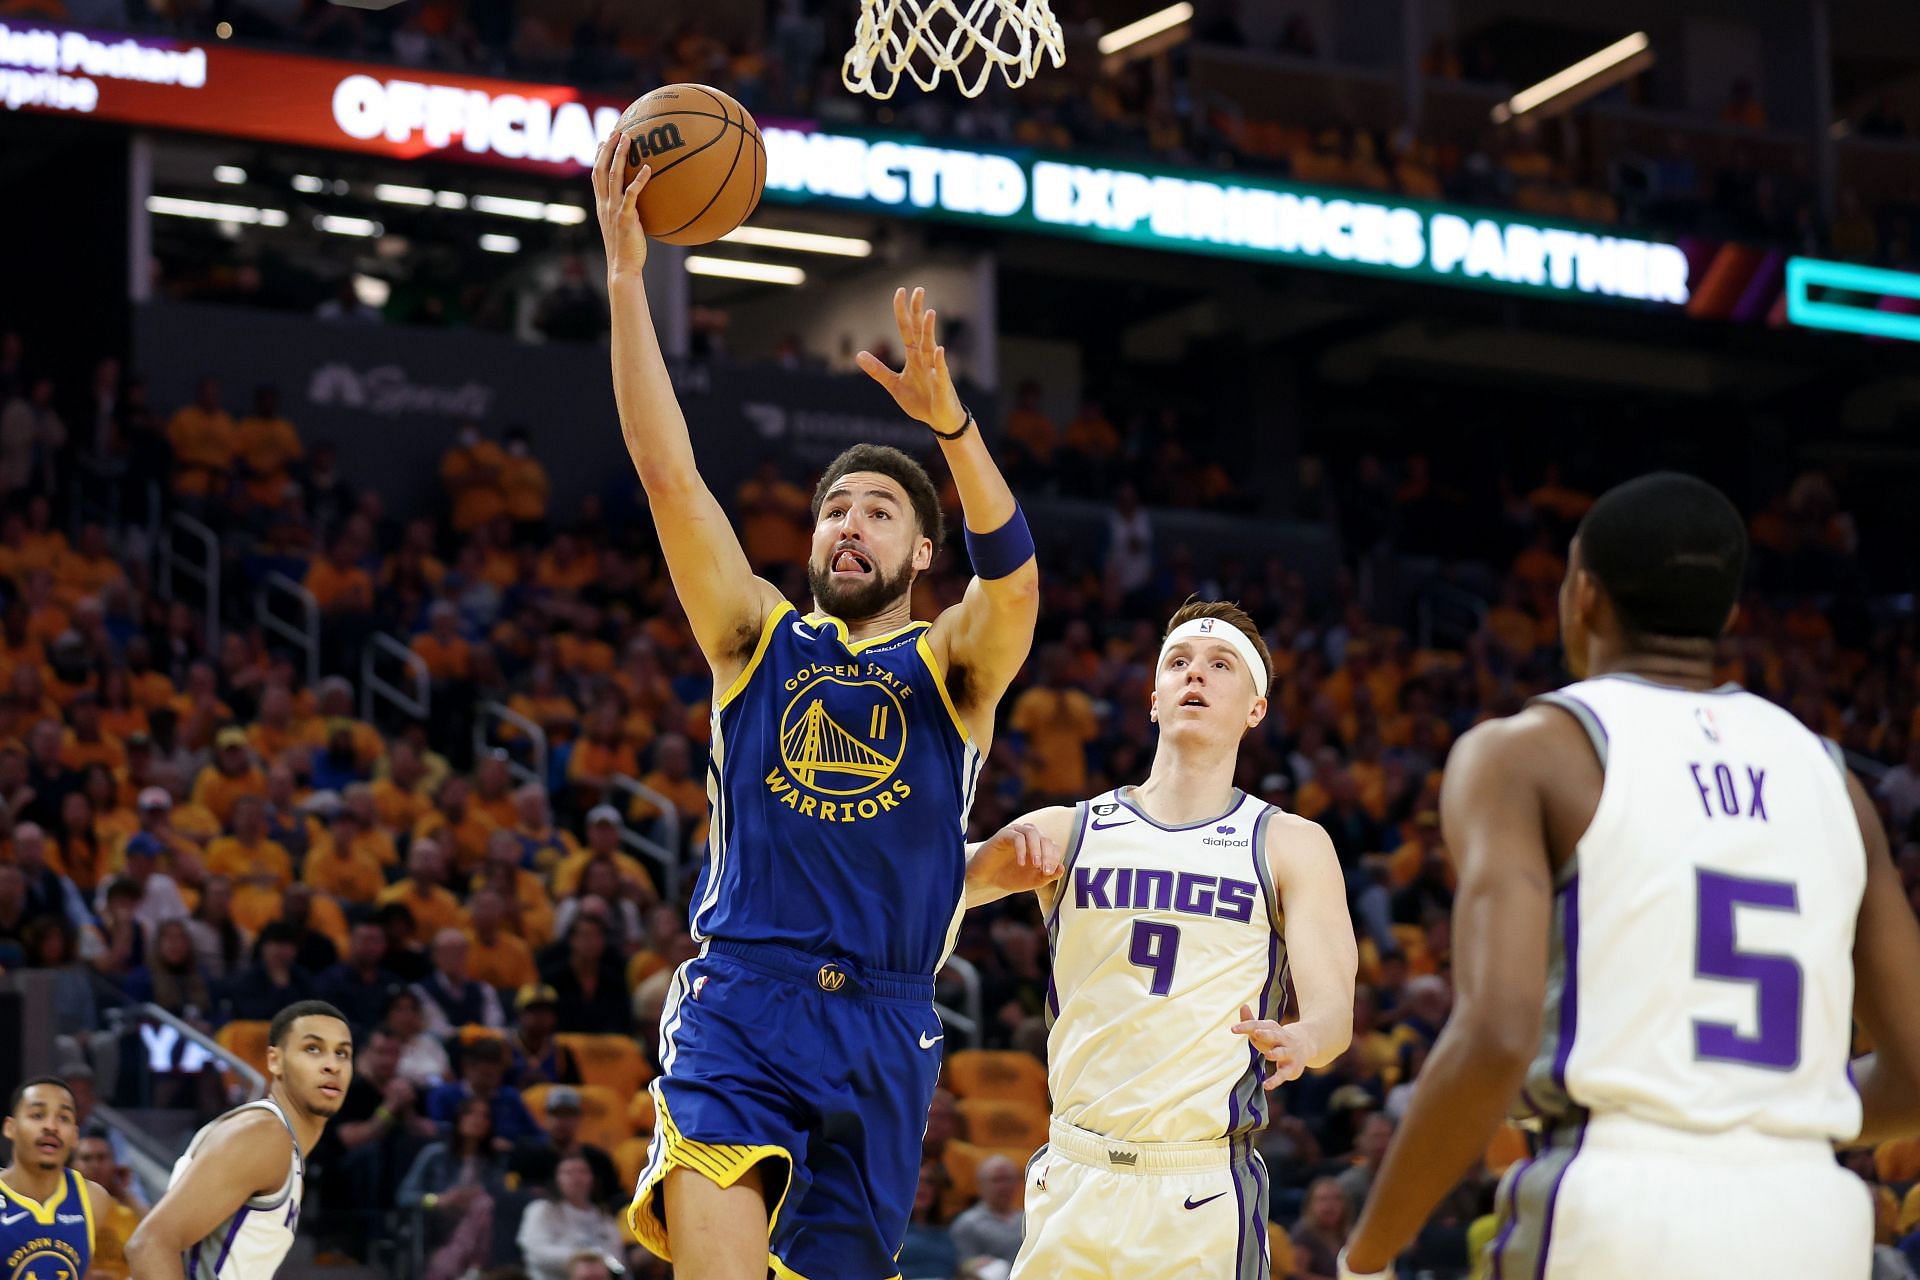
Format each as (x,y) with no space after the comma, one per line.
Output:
(852,601)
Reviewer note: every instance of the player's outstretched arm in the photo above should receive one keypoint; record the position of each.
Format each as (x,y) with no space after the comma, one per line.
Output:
(1025,855)
(987,635)
(1886,989)
(1493,813)
(1321,953)
(245,1157)
(725,603)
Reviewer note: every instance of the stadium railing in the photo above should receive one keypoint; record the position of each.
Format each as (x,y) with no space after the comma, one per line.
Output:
(203,569)
(968,1025)
(412,703)
(304,636)
(485,718)
(664,851)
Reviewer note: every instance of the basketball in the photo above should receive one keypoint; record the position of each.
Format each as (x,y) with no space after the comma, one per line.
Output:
(709,164)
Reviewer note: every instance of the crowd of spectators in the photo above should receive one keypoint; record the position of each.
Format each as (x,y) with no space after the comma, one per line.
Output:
(192,823)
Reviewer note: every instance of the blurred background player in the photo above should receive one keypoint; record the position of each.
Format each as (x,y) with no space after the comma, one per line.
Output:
(799,1049)
(49,1214)
(1169,941)
(1674,900)
(233,1204)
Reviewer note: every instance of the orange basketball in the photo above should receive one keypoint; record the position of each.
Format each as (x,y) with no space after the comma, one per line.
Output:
(709,164)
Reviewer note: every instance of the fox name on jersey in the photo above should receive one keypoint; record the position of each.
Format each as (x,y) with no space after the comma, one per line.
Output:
(1701,948)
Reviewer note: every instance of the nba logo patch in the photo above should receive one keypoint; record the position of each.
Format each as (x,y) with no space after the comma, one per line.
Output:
(699,985)
(1206,624)
(1704,718)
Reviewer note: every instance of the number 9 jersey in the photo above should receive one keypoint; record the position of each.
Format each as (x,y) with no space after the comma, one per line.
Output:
(1701,964)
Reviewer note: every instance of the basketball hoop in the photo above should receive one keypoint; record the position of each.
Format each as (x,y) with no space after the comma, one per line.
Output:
(924,38)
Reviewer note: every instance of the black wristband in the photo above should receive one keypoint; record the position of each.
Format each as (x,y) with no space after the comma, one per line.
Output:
(954,435)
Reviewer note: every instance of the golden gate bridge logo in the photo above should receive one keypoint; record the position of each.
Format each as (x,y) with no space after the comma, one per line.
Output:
(824,755)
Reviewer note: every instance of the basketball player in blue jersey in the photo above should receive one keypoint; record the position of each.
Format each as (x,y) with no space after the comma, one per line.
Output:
(1170,957)
(1674,904)
(47,1211)
(799,1049)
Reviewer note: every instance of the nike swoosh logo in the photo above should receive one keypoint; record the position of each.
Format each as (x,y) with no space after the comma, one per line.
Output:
(802,630)
(1195,1204)
(1102,826)
(9,1221)
(927,1041)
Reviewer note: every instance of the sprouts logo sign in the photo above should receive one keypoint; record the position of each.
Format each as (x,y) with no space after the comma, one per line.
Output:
(1248,218)
(386,391)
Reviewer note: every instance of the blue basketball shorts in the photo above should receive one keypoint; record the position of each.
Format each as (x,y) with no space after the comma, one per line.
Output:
(818,1072)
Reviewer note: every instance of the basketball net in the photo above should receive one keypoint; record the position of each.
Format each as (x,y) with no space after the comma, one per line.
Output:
(967,39)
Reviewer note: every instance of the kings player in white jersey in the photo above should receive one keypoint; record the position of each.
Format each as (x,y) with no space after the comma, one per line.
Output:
(1674,902)
(233,1204)
(1170,957)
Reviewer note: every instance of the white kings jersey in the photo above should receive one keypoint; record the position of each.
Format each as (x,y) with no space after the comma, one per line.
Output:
(1159,935)
(251,1244)
(1701,967)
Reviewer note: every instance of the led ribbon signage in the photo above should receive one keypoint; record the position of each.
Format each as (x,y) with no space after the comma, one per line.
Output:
(400,112)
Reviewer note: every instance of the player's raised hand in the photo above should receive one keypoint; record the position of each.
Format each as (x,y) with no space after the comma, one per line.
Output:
(1285,1046)
(1019,857)
(616,197)
(923,389)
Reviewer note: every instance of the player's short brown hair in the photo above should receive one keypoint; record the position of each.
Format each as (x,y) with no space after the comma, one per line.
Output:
(898,467)
(1233,615)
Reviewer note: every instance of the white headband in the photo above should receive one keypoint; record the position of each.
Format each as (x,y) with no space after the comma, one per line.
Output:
(1216,629)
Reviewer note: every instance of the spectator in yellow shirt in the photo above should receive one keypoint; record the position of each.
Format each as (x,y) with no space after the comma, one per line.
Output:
(496,957)
(493,789)
(47,621)
(776,518)
(248,856)
(89,570)
(604,830)
(336,866)
(473,471)
(275,731)
(529,909)
(398,801)
(441,646)
(1058,722)
(1029,427)
(523,484)
(335,711)
(1091,436)
(93,1159)
(567,568)
(423,893)
(267,445)
(203,440)
(232,774)
(457,822)
(338,583)
(87,744)
(672,776)
(602,753)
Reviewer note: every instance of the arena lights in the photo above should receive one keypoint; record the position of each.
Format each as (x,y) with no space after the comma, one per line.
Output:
(800,241)
(1592,75)
(1853,299)
(213,211)
(740,269)
(494,243)
(335,224)
(230,174)
(1146,28)
(391,193)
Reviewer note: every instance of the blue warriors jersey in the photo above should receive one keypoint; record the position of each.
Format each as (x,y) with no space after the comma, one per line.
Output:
(51,1241)
(840,780)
